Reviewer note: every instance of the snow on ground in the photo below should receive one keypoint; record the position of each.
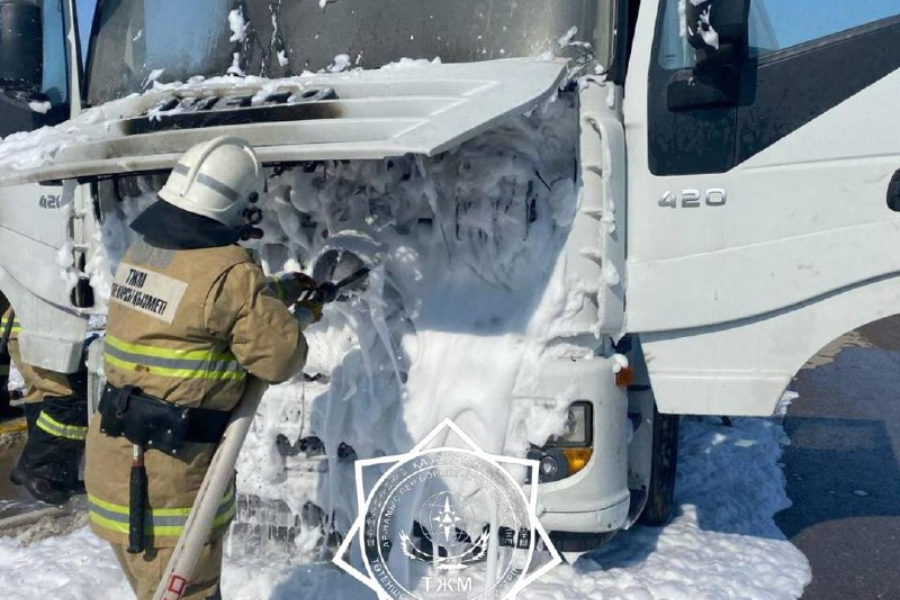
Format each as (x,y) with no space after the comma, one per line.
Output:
(722,545)
(74,567)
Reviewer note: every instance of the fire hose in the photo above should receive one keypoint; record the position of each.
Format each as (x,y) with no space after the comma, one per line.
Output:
(181,566)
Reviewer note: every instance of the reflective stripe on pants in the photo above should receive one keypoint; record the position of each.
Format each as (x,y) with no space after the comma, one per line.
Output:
(158,522)
(61,430)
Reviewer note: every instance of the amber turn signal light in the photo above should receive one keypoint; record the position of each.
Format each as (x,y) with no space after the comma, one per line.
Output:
(625,377)
(577,458)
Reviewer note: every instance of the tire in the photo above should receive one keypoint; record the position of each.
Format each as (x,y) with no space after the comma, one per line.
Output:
(661,494)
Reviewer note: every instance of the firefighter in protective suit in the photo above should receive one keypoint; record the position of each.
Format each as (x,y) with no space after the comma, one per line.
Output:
(55,406)
(190,318)
(7,333)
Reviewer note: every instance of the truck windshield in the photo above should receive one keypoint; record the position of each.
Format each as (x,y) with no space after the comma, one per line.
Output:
(136,42)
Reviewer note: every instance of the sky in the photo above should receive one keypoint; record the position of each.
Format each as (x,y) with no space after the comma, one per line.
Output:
(85,10)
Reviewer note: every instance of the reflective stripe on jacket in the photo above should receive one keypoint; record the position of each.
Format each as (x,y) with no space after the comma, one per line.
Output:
(179,364)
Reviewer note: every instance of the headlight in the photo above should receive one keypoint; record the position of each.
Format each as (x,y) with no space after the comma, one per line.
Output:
(564,455)
(579,430)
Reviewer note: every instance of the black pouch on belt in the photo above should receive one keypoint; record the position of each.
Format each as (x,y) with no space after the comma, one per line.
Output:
(153,423)
(143,420)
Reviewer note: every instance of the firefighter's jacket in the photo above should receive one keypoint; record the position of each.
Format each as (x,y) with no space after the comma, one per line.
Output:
(184,326)
(39,383)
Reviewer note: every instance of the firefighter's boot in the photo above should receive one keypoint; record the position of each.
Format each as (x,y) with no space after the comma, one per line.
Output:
(50,463)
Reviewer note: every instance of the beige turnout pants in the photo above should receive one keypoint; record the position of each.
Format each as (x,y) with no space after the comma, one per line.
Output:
(144,571)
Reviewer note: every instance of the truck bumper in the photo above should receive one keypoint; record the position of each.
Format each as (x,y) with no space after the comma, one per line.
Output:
(589,520)
(597,498)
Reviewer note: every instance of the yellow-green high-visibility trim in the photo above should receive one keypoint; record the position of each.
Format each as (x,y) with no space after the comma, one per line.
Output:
(55,428)
(181,364)
(16,327)
(277,288)
(159,522)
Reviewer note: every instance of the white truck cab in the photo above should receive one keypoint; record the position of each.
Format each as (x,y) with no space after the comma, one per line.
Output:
(39,81)
(738,177)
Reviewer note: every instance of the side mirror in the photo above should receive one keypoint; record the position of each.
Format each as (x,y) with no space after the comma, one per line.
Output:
(21,46)
(718,30)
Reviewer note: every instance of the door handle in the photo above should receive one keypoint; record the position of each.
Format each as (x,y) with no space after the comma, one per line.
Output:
(893,193)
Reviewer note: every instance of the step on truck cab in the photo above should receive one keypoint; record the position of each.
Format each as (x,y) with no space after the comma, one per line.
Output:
(737,171)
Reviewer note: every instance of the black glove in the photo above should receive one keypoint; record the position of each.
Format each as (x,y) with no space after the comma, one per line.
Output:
(307,312)
(293,287)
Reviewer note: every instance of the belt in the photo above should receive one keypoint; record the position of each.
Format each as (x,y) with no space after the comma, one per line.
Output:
(155,423)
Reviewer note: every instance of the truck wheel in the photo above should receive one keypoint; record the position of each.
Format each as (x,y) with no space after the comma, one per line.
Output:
(660,496)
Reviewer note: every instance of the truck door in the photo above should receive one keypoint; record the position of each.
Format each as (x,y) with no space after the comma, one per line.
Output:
(763,211)
(36,90)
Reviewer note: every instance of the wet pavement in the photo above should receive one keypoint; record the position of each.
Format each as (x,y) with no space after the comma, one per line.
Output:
(843,467)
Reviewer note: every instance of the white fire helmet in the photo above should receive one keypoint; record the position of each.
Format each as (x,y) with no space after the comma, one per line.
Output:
(220,179)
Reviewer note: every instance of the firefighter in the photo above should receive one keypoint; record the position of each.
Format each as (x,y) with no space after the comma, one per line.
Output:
(55,407)
(190,318)
(6,410)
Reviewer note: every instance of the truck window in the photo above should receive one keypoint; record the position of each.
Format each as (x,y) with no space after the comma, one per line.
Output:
(136,39)
(789,24)
(778,25)
(807,57)
(47,101)
(56,80)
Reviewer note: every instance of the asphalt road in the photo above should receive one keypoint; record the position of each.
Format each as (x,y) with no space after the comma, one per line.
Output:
(843,467)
